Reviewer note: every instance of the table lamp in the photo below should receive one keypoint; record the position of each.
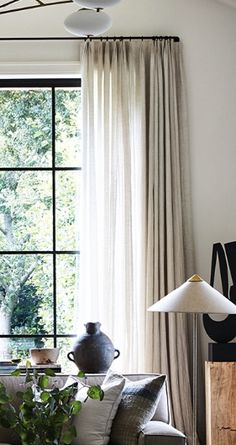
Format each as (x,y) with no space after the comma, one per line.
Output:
(195,296)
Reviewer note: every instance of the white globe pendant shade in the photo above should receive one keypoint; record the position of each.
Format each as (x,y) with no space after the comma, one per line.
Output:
(97,4)
(87,23)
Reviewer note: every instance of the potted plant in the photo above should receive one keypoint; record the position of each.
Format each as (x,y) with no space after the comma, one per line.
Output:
(44,415)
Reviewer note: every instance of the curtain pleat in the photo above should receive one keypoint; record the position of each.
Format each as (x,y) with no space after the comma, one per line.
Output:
(136,243)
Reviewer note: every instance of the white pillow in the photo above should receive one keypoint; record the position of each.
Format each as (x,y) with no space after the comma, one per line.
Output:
(93,423)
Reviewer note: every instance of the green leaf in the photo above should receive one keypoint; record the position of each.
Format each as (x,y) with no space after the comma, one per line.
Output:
(81,374)
(28,377)
(49,372)
(28,395)
(15,373)
(4,398)
(19,395)
(61,418)
(76,406)
(43,381)
(3,393)
(44,396)
(26,411)
(23,436)
(69,435)
(95,392)
(7,418)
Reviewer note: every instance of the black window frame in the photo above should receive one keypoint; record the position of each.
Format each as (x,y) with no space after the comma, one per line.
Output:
(51,83)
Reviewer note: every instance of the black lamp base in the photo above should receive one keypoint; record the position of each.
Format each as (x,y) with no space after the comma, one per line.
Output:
(222,352)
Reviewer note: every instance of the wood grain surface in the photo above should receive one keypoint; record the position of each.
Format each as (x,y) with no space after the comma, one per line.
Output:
(221,403)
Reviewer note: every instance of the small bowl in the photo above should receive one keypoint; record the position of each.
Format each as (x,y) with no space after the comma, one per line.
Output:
(16,361)
(44,356)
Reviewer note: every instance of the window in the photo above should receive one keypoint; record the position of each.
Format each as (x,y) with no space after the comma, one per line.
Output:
(40,172)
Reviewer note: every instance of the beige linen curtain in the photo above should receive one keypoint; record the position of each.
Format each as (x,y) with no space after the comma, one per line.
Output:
(135,232)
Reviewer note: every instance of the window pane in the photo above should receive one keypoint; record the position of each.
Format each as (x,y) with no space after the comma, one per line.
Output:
(68,127)
(25,211)
(66,345)
(67,292)
(26,218)
(26,296)
(67,204)
(25,127)
(20,347)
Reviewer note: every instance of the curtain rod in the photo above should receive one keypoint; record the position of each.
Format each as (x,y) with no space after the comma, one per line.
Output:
(174,38)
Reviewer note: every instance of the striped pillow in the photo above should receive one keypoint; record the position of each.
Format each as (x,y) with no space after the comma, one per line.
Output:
(137,407)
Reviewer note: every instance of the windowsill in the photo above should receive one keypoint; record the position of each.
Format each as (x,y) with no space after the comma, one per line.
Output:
(39,70)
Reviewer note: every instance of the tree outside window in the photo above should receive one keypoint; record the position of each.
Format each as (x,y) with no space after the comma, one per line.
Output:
(40,172)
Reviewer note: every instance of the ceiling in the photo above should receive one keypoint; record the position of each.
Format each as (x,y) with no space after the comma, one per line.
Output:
(130,17)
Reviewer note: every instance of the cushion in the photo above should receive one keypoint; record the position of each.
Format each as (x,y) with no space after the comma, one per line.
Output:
(137,407)
(161,433)
(94,421)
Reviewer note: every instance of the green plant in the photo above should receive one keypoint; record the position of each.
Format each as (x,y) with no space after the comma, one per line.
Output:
(44,415)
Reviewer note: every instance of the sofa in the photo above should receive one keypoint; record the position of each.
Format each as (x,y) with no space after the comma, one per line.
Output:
(157,431)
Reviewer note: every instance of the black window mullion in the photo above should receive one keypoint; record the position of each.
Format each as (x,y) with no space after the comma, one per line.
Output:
(38,252)
(40,83)
(54,217)
(37,335)
(52,84)
(44,169)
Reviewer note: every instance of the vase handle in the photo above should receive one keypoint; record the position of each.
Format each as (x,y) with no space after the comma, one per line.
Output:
(117,353)
(69,356)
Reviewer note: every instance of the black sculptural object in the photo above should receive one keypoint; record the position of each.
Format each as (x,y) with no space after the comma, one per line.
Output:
(93,351)
(223,331)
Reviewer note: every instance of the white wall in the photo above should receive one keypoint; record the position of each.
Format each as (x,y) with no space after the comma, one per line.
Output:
(207,29)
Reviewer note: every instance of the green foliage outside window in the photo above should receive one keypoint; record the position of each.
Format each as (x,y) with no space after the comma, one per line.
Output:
(26,281)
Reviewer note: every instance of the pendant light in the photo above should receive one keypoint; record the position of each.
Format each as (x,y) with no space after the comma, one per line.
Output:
(97,4)
(88,22)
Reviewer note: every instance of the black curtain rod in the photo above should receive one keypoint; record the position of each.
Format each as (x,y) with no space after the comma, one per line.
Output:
(174,38)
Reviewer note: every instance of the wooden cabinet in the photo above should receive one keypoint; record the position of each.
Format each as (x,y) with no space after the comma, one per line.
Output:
(220,403)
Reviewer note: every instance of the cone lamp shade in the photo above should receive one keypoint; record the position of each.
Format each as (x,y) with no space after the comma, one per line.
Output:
(194,296)
(97,4)
(87,23)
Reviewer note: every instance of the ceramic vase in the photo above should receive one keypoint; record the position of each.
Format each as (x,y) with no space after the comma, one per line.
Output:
(93,352)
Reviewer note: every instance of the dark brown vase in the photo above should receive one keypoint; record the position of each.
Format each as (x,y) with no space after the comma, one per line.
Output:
(93,352)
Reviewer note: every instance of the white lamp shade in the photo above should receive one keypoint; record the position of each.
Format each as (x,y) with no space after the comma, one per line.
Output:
(87,22)
(194,296)
(96,4)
